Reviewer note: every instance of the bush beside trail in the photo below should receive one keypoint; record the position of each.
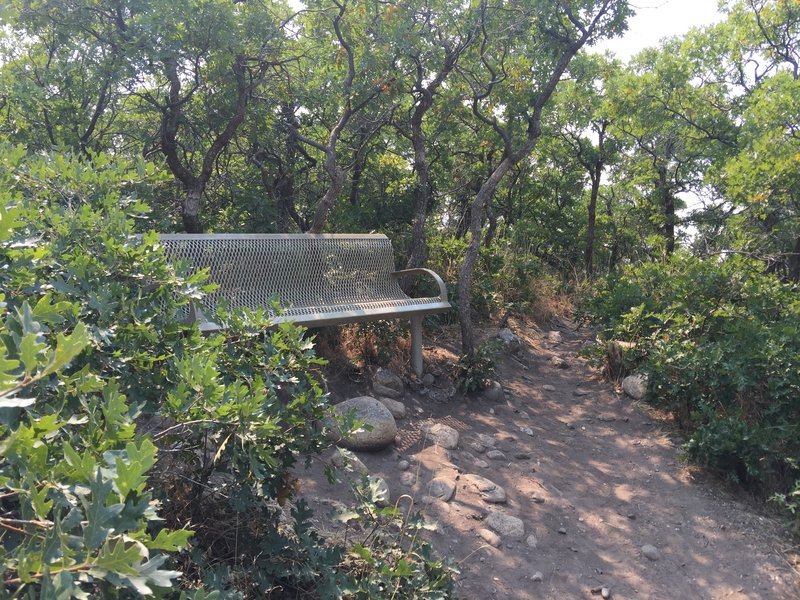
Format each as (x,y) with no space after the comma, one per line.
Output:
(720,341)
(137,456)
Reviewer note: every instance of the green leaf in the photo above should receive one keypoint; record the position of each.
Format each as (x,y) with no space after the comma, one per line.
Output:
(117,557)
(41,505)
(171,541)
(57,587)
(131,473)
(98,515)
(67,348)
(29,349)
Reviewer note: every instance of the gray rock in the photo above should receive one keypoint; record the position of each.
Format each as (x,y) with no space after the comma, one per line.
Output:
(490,492)
(522,456)
(397,408)
(442,435)
(386,383)
(490,537)
(442,487)
(559,362)
(477,447)
(480,463)
(486,439)
(605,593)
(495,455)
(635,386)
(510,340)
(494,392)
(380,489)
(403,465)
(532,541)
(562,531)
(408,478)
(379,428)
(428,380)
(538,499)
(553,337)
(548,388)
(347,461)
(581,392)
(651,552)
(526,431)
(537,576)
(506,525)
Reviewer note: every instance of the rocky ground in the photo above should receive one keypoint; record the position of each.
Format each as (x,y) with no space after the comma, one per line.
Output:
(559,485)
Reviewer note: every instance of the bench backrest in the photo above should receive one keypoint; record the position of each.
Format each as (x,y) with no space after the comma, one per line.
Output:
(303,270)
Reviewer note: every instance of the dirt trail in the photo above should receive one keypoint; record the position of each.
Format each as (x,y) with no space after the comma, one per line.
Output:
(594,479)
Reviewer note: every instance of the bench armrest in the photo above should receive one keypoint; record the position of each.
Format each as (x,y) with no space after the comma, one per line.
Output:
(442,286)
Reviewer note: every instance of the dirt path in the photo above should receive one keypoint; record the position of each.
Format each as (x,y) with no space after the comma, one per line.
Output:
(592,477)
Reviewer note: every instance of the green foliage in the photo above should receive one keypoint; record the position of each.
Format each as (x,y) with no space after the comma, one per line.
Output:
(119,424)
(721,344)
(505,276)
(386,557)
(476,371)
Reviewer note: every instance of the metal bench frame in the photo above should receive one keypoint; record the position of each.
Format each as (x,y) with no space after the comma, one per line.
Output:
(324,279)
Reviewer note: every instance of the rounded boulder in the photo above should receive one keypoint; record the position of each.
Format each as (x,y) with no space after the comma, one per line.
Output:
(379,427)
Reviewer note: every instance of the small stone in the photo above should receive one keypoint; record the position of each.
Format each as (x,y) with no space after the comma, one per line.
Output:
(386,383)
(548,388)
(607,418)
(487,440)
(403,465)
(635,386)
(579,392)
(537,576)
(442,487)
(428,380)
(347,461)
(489,490)
(495,455)
(510,340)
(522,456)
(553,336)
(562,531)
(490,537)
(477,447)
(605,593)
(382,496)
(651,552)
(408,478)
(559,362)
(442,435)
(397,408)
(532,541)
(506,525)
(526,431)
(494,392)
(481,464)
(538,499)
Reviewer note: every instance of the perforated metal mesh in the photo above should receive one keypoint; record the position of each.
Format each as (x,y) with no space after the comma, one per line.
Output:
(314,276)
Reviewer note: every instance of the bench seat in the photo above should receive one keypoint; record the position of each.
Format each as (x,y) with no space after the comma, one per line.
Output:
(317,280)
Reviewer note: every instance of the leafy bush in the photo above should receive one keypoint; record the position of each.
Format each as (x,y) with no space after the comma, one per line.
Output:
(721,344)
(120,426)
(476,371)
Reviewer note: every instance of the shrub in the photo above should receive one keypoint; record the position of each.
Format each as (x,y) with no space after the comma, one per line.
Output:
(120,426)
(721,343)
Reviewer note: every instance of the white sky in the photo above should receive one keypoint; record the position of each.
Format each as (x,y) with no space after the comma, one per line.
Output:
(657,19)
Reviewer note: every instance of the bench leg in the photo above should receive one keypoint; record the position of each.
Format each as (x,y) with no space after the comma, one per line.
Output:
(416,345)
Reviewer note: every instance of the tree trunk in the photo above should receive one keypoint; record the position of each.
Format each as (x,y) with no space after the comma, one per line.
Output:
(191,207)
(668,206)
(591,221)
(468,266)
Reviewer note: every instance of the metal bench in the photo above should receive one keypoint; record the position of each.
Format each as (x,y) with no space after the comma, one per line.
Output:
(318,280)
